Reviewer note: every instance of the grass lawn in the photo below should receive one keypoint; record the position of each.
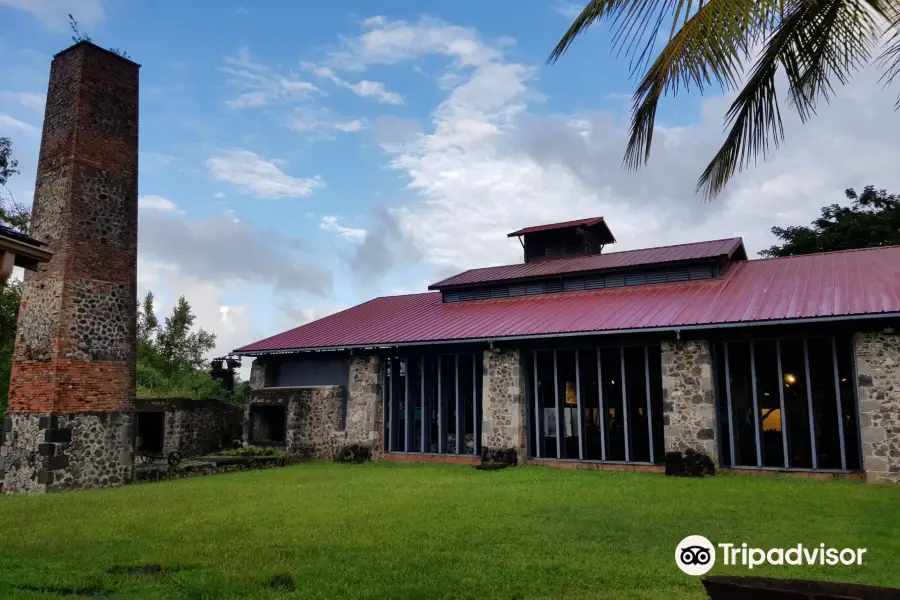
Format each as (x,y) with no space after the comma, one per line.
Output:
(431,531)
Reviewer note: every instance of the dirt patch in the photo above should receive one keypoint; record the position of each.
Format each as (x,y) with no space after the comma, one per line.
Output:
(65,591)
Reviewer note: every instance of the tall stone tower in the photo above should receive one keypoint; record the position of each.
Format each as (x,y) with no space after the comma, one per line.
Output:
(69,424)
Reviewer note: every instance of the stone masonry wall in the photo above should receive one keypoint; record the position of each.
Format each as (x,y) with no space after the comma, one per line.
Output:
(260,376)
(194,427)
(314,427)
(365,405)
(503,403)
(46,453)
(878,374)
(689,404)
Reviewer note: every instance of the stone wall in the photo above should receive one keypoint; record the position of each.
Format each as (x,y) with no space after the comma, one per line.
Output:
(689,404)
(365,404)
(46,453)
(315,416)
(194,427)
(878,373)
(260,374)
(503,403)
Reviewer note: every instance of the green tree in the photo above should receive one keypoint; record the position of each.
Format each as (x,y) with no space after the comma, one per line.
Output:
(815,43)
(147,321)
(181,346)
(12,213)
(871,220)
(10,295)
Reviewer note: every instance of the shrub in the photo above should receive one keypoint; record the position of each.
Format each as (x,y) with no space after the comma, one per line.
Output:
(493,459)
(354,454)
(250,452)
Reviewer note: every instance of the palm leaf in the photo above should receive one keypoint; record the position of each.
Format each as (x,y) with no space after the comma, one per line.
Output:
(708,49)
(816,42)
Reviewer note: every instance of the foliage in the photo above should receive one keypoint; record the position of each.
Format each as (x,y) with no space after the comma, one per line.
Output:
(353,454)
(872,220)
(77,37)
(10,294)
(711,43)
(437,531)
(170,357)
(12,213)
(250,452)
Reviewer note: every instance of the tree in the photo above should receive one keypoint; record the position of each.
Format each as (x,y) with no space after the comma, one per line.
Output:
(815,43)
(10,295)
(147,322)
(12,213)
(872,220)
(170,357)
(179,345)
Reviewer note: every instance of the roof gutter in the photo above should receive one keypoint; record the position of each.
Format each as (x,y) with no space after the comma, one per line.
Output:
(677,330)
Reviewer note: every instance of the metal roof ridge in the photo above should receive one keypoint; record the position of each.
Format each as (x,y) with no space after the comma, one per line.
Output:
(847,251)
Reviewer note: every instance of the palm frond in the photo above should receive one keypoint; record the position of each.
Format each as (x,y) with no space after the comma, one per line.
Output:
(636,24)
(890,57)
(708,49)
(833,42)
(815,42)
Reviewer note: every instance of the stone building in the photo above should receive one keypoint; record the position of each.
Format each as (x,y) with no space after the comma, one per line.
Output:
(69,424)
(582,358)
(190,427)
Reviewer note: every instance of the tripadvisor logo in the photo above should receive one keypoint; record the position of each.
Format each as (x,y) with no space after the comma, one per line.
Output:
(696,555)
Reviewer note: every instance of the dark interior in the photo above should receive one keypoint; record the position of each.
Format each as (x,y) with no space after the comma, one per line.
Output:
(150,429)
(267,424)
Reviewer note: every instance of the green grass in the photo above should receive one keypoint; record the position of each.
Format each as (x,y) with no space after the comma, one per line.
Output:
(431,531)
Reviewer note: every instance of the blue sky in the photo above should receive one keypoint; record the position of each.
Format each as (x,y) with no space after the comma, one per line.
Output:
(298,160)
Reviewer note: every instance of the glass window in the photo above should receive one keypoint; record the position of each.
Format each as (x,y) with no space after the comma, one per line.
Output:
(636,396)
(611,370)
(768,398)
(590,404)
(568,402)
(805,403)
(546,398)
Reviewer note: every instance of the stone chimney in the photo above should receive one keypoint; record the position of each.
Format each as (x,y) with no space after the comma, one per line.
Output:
(69,424)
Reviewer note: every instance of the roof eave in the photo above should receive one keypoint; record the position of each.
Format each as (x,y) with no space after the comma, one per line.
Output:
(675,329)
(27,256)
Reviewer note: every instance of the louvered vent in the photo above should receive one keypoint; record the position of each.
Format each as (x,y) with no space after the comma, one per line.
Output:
(579,282)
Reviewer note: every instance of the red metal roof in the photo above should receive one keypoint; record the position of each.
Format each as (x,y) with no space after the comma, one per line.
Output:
(576,223)
(833,284)
(597,262)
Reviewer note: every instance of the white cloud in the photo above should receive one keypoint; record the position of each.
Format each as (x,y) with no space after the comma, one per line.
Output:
(8,122)
(255,176)
(319,123)
(218,195)
(262,86)
(389,42)
(487,165)
(364,88)
(349,126)
(373,89)
(569,10)
(332,224)
(153,202)
(53,14)
(30,100)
